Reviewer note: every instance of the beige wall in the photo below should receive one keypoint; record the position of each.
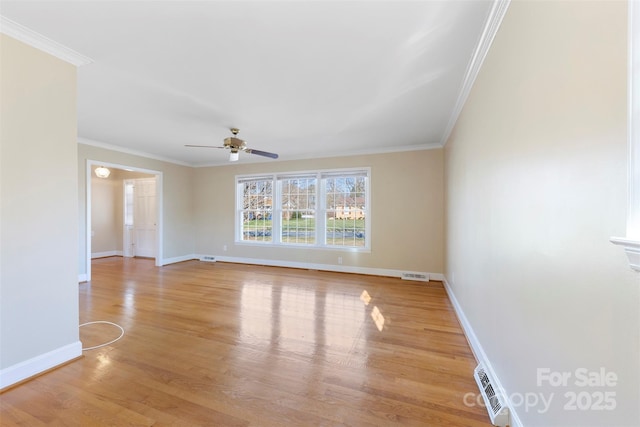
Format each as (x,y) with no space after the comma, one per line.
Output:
(406,212)
(106,210)
(199,209)
(535,186)
(38,215)
(178,231)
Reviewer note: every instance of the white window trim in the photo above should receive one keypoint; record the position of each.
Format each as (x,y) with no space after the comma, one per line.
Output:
(320,207)
(631,243)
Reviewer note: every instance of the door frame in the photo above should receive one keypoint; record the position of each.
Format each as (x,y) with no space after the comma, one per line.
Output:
(159,210)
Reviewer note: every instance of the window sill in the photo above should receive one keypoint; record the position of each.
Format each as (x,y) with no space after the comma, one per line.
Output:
(632,249)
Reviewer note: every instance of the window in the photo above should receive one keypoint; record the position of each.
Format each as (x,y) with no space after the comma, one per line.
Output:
(128,203)
(307,209)
(346,209)
(256,209)
(298,207)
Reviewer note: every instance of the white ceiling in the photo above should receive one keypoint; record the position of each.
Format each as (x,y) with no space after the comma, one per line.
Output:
(303,79)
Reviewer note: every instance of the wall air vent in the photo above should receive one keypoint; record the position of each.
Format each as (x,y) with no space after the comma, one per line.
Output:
(496,408)
(420,277)
(208,258)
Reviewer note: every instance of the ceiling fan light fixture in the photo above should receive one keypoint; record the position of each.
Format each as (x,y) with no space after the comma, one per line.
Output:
(102,172)
(236,145)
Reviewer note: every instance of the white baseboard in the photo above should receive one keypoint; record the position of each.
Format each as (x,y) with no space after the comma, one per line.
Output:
(478,351)
(36,365)
(321,267)
(82,277)
(476,347)
(290,264)
(105,254)
(182,258)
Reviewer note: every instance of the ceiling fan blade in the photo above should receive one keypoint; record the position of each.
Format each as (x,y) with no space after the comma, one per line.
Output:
(261,153)
(203,146)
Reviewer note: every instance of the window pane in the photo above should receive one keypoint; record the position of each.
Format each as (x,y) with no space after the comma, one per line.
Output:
(298,211)
(346,208)
(256,211)
(128,204)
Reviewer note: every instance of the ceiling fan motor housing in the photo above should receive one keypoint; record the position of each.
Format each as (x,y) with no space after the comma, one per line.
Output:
(234,143)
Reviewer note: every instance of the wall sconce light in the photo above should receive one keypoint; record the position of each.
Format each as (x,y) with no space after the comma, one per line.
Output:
(102,172)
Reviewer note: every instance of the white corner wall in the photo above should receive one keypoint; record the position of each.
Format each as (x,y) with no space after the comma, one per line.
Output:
(38,214)
(535,175)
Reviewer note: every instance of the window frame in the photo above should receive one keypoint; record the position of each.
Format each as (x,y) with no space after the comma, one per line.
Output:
(239,210)
(319,213)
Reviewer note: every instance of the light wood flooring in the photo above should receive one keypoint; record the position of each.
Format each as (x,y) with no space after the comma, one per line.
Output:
(218,344)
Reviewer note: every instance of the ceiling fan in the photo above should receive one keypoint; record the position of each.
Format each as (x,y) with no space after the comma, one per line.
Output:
(236,145)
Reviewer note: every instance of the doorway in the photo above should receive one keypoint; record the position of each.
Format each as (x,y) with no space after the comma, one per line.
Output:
(146,226)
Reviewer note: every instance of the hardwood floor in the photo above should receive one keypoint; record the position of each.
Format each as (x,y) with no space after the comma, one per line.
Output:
(218,344)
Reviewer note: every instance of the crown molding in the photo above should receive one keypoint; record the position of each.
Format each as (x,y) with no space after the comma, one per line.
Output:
(45,44)
(106,146)
(371,151)
(492,24)
(120,149)
(367,152)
